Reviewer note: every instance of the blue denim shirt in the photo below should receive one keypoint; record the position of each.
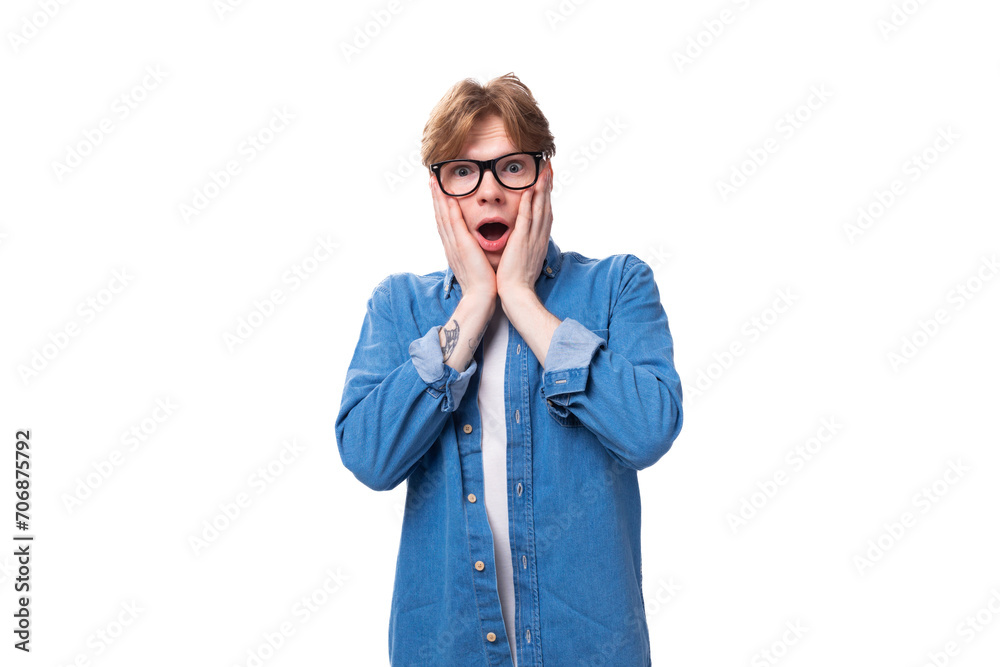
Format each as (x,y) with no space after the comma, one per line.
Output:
(607,404)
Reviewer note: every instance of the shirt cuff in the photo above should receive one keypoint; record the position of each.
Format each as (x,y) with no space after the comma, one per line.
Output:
(567,362)
(439,376)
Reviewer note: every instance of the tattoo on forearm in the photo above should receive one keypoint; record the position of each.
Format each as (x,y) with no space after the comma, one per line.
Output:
(450,340)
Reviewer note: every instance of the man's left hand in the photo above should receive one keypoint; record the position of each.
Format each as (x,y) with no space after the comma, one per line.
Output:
(524,254)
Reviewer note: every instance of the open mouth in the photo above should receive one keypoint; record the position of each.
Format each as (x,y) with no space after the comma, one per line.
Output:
(492,231)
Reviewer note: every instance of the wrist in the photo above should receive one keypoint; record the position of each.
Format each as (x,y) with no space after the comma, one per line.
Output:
(517,298)
(480,301)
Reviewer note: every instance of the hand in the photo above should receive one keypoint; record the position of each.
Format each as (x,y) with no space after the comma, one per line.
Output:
(524,254)
(466,258)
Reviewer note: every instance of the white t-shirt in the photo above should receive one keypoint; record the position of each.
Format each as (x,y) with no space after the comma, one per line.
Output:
(492,408)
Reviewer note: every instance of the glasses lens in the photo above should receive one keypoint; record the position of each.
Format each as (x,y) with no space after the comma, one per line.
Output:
(517,171)
(458,178)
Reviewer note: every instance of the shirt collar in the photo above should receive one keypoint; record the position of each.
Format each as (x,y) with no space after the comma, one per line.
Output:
(550,268)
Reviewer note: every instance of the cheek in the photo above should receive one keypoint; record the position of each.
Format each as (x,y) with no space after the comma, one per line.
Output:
(515,202)
(468,212)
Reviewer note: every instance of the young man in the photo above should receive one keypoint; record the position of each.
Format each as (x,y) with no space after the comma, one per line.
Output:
(518,391)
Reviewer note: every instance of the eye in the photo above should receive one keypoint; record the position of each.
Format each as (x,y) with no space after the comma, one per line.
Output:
(514,167)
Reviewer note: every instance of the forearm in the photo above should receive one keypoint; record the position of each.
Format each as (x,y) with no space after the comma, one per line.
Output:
(631,403)
(461,335)
(383,433)
(396,399)
(620,382)
(532,320)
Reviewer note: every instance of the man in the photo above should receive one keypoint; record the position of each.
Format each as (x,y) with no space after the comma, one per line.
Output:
(518,392)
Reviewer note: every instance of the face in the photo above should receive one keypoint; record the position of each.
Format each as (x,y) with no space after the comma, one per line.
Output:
(491,202)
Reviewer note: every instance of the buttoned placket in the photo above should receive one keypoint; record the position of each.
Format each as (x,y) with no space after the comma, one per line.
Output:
(519,456)
(519,492)
(517,382)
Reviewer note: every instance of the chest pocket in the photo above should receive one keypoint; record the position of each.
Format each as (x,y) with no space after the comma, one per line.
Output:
(570,420)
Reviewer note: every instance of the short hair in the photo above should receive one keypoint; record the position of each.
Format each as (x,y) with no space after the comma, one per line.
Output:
(467,101)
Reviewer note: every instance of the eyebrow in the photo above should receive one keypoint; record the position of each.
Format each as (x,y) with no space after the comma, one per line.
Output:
(491,158)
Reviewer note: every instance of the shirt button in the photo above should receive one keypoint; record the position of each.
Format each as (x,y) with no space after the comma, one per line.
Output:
(467,428)
(527,634)
(524,562)
(547,400)
(519,348)
(480,565)
(518,488)
(492,637)
(472,497)
(548,270)
(517,416)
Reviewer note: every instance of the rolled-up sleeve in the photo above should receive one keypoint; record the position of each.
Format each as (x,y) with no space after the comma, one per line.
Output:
(567,363)
(625,389)
(439,376)
(394,405)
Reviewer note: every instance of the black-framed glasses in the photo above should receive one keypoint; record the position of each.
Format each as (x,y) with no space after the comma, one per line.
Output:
(514,171)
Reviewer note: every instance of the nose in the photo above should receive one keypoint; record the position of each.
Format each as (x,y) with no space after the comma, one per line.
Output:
(490,191)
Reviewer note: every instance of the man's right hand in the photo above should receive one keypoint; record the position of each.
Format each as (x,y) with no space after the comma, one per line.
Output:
(461,335)
(467,260)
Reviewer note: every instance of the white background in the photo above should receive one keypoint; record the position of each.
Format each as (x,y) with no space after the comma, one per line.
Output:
(643,141)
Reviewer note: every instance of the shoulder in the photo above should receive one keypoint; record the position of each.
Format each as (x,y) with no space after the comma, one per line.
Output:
(614,268)
(403,287)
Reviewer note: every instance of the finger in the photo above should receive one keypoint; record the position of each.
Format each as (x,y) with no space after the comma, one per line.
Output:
(434,203)
(449,209)
(455,219)
(438,214)
(517,230)
(444,225)
(538,207)
(524,210)
(547,224)
(547,216)
(539,225)
(544,216)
